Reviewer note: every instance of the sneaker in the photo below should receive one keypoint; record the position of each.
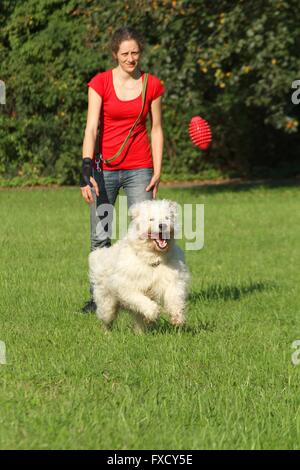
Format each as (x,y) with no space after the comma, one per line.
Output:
(89,307)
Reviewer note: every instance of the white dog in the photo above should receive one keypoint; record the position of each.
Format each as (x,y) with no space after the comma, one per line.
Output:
(143,270)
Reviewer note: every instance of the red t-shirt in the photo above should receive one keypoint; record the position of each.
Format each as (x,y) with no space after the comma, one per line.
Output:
(116,119)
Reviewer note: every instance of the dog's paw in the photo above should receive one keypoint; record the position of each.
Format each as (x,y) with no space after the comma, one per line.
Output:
(177,320)
(106,327)
(151,315)
(138,329)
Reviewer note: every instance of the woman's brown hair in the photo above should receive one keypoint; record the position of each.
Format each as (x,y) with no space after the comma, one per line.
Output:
(126,34)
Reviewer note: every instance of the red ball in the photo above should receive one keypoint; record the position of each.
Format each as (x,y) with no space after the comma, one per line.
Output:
(200,132)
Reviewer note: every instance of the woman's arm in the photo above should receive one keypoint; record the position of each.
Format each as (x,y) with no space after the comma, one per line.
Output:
(157,142)
(90,134)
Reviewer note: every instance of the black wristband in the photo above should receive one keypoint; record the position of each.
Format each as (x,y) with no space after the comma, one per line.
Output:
(86,172)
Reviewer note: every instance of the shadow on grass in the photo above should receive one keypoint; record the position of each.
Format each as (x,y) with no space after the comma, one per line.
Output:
(163,326)
(220,292)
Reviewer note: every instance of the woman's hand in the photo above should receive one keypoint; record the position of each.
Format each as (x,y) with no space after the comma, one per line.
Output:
(153,185)
(87,182)
(86,191)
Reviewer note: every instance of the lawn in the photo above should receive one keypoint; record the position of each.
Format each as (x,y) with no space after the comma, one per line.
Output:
(225,381)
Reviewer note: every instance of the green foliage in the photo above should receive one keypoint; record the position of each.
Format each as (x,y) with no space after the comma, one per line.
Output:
(233,63)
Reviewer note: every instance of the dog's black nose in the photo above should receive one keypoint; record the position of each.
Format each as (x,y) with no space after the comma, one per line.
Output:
(163,227)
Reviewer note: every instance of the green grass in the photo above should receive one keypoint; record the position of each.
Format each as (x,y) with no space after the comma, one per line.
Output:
(225,381)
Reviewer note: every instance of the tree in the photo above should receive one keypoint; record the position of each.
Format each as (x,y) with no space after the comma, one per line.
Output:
(233,63)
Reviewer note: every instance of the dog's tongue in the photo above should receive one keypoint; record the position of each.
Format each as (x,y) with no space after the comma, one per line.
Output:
(161,243)
(157,237)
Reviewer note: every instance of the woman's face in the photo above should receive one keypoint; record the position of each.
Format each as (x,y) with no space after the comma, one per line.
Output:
(128,55)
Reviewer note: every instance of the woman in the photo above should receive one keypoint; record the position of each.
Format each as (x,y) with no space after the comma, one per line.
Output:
(115,98)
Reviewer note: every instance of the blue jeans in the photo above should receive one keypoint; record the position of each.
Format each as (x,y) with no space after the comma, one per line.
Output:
(134,183)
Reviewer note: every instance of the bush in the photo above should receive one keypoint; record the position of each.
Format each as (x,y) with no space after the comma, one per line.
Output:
(233,63)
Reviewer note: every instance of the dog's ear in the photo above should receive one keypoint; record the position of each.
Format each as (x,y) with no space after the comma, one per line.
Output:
(134,210)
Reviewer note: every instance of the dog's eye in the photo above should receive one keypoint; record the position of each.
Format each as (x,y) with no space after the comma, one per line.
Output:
(167,218)
(152,219)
